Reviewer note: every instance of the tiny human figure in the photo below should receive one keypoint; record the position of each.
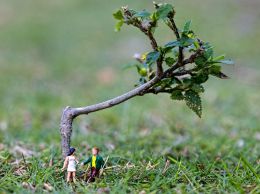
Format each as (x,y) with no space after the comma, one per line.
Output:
(70,163)
(96,162)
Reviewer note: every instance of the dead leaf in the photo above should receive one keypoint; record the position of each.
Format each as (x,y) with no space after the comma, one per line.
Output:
(51,162)
(2,146)
(27,186)
(20,171)
(47,186)
(103,190)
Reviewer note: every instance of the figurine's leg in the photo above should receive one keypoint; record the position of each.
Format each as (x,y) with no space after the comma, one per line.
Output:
(68,177)
(95,172)
(90,175)
(74,177)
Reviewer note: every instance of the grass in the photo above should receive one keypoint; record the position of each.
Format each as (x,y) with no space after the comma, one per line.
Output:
(198,163)
(54,54)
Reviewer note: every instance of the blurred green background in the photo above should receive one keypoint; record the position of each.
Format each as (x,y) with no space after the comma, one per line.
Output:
(55,53)
(59,53)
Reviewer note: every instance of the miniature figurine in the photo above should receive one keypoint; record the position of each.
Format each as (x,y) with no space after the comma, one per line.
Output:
(96,162)
(70,163)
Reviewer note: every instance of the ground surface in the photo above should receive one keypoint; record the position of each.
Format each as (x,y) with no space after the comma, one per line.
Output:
(59,53)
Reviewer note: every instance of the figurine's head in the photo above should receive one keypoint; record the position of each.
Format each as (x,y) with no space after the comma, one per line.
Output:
(71,151)
(95,151)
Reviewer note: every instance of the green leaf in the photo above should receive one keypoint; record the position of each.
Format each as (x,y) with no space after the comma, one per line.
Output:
(193,101)
(196,44)
(177,95)
(187,82)
(153,17)
(215,69)
(200,78)
(175,80)
(163,11)
(118,15)
(172,44)
(200,61)
(186,27)
(208,54)
(218,58)
(185,42)
(227,62)
(119,25)
(197,88)
(169,61)
(165,82)
(152,57)
(142,14)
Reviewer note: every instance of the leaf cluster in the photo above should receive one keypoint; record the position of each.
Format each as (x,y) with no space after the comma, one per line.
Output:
(183,64)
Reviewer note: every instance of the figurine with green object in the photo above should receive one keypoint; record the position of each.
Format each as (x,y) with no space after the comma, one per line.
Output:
(96,163)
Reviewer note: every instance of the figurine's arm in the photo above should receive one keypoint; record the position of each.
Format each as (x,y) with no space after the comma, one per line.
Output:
(65,164)
(76,159)
(86,161)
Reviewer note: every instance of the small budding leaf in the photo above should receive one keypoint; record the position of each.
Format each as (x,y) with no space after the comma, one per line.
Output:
(218,58)
(119,25)
(193,101)
(186,41)
(118,15)
(187,26)
(163,11)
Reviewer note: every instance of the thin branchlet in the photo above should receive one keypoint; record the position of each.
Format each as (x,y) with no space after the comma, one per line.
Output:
(148,32)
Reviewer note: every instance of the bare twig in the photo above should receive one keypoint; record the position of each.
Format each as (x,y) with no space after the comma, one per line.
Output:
(173,26)
(70,113)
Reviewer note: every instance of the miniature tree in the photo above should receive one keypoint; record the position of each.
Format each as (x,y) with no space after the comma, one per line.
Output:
(164,69)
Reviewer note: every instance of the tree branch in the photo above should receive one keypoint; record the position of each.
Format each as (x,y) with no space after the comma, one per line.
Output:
(116,100)
(173,26)
(147,30)
(191,59)
(69,113)
(159,90)
(151,86)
